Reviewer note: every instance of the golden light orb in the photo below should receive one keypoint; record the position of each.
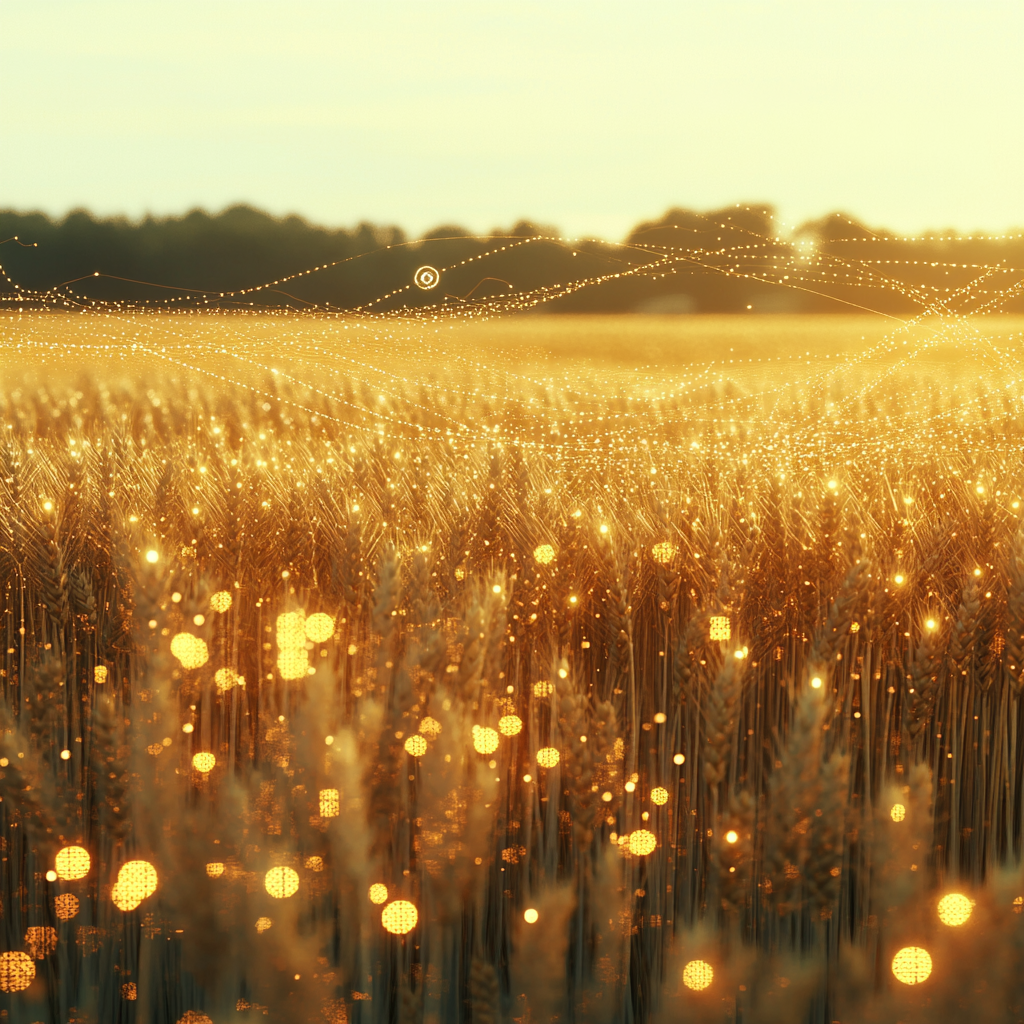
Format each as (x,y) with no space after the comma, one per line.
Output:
(190,650)
(262,924)
(898,579)
(330,803)
(281,882)
(313,863)
(732,836)
(399,917)
(543,689)
(194,1017)
(698,975)
(293,663)
(912,965)
(897,812)
(659,795)
(72,863)
(719,628)
(548,757)
(215,869)
(204,762)
(65,906)
(137,880)
(642,842)
(416,745)
(816,683)
(678,758)
(99,674)
(485,739)
(152,556)
(530,916)
(130,991)
(664,551)
(291,630)
(430,727)
(510,725)
(955,909)
(221,601)
(17,971)
(41,940)
(544,554)
(378,893)
(226,679)
(320,627)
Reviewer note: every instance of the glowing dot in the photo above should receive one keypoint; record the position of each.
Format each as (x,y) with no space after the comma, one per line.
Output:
(130,991)
(731,836)
(527,778)
(188,727)
(548,757)
(543,689)
(816,683)
(430,727)
(630,786)
(281,882)
(897,812)
(496,589)
(226,679)
(152,556)
(416,746)
(606,796)
(664,551)
(719,628)
(930,624)
(313,863)
(678,758)
(898,579)
(399,917)
(530,916)
(215,870)
(72,863)
(199,619)
(544,554)
(221,601)
(485,739)
(698,975)
(262,924)
(65,755)
(65,906)
(203,762)
(17,971)
(659,795)
(510,725)
(51,875)
(320,627)
(642,842)
(912,965)
(378,893)
(190,650)
(329,740)
(99,674)
(660,718)
(955,909)
(330,803)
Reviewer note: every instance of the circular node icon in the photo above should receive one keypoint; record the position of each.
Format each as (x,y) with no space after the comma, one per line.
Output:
(426,278)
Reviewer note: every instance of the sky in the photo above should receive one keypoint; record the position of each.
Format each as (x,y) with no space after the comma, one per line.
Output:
(592,116)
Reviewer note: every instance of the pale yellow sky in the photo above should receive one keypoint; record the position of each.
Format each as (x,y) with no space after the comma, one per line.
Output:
(589,116)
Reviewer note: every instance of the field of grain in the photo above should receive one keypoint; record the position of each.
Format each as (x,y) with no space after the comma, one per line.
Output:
(537,668)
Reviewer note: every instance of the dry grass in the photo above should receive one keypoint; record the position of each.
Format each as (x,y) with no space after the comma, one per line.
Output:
(855,518)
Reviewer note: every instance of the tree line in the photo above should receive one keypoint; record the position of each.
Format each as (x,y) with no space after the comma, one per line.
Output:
(720,261)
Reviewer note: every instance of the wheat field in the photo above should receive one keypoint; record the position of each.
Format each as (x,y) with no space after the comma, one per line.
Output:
(625,669)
